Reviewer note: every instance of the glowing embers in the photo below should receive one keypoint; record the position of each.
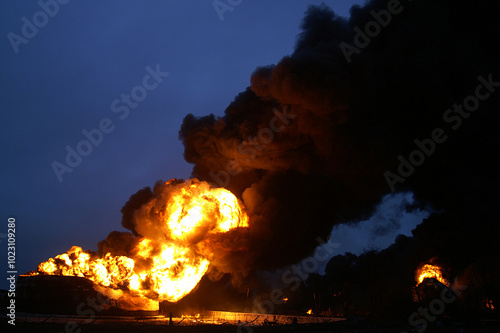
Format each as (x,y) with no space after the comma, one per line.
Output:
(488,304)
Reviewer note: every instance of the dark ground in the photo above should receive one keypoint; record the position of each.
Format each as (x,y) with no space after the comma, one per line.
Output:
(341,327)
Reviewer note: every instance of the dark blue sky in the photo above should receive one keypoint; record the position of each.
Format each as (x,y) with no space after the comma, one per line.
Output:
(64,79)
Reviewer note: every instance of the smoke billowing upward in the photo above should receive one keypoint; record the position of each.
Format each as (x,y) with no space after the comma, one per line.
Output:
(309,143)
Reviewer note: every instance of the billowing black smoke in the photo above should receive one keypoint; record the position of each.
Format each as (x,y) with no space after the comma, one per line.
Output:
(320,137)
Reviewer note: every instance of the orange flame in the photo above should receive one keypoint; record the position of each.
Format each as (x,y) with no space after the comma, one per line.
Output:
(489,304)
(194,318)
(170,266)
(310,311)
(428,271)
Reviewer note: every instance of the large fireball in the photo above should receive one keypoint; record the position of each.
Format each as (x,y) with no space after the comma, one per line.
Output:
(172,253)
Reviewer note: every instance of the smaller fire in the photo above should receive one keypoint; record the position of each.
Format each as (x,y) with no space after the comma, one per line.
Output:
(310,311)
(285,299)
(429,271)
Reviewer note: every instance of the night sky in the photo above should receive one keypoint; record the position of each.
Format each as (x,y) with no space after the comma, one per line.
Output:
(64,79)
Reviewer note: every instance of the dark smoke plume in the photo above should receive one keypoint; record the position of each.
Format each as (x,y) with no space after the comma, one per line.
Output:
(308,144)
